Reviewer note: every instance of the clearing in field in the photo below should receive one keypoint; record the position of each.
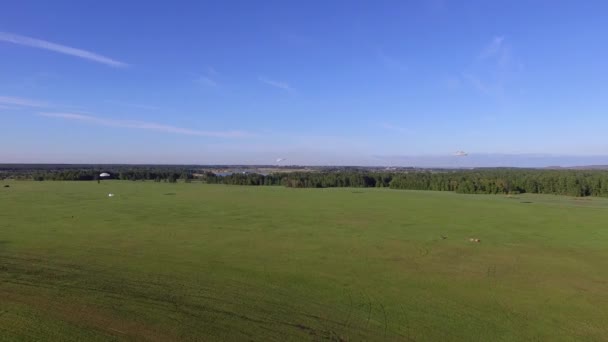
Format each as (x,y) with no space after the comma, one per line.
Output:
(272,264)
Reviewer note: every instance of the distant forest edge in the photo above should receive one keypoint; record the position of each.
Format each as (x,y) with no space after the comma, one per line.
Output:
(578,183)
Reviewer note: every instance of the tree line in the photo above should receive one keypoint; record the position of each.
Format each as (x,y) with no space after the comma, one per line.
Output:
(480,181)
(158,174)
(477,181)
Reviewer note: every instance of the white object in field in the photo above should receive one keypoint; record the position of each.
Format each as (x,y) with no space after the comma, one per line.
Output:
(461,154)
(105,174)
(110,195)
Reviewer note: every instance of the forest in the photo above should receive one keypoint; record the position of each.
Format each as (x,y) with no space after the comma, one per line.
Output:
(480,181)
(578,183)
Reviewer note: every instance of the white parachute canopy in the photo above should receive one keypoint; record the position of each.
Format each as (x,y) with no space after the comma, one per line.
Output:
(460,154)
(104,174)
(280,160)
(110,195)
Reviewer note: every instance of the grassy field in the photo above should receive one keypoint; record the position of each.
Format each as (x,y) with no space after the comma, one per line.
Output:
(164,262)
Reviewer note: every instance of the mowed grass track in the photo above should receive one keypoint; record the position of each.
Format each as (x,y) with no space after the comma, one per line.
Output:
(183,262)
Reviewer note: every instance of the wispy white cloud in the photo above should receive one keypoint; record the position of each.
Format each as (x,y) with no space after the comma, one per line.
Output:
(395,128)
(208,78)
(494,48)
(477,83)
(204,80)
(22,102)
(451,83)
(71,116)
(499,52)
(295,39)
(143,125)
(493,68)
(391,62)
(67,50)
(276,84)
(134,105)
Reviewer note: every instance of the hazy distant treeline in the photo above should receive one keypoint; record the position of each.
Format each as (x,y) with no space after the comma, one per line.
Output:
(509,181)
(91,173)
(481,181)
(478,181)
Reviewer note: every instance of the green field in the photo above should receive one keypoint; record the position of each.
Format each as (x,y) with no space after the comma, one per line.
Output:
(163,261)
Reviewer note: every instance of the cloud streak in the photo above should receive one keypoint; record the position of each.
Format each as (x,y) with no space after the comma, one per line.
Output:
(492,68)
(212,71)
(208,78)
(276,84)
(395,128)
(66,50)
(390,62)
(21,102)
(494,48)
(477,83)
(143,125)
(204,80)
(133,105)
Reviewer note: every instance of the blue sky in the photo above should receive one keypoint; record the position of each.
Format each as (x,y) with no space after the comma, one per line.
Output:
(316,82)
